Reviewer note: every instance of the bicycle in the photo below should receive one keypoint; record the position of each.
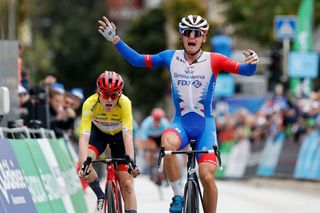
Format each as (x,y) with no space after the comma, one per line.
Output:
(156,176)
(114,199)
(192,190)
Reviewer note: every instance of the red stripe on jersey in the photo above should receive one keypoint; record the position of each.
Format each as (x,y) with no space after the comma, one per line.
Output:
(148,61)
(220,62)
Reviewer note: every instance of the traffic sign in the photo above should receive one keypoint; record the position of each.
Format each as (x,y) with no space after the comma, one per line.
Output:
(285,27)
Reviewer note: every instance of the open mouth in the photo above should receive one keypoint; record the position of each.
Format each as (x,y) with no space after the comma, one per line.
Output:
(192,44)
(108,105)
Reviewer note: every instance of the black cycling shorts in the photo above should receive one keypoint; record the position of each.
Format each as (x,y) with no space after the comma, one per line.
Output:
(99,140)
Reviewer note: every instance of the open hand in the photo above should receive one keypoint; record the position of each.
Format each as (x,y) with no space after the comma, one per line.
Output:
(250,57)
(107,29)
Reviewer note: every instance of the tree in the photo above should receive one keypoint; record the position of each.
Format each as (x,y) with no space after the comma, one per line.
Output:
(146,34)
(254,19)
(66,42)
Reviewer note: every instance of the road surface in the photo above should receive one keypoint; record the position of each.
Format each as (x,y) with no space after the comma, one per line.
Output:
(254,196)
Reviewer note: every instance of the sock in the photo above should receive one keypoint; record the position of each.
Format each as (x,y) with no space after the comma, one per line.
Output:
(95,186)
(130,211)
(176,187)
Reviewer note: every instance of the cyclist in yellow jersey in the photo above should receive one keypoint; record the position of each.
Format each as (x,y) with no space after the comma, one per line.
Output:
(107,120)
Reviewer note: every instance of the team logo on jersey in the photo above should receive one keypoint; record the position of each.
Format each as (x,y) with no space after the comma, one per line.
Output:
(188,71)
(196,84)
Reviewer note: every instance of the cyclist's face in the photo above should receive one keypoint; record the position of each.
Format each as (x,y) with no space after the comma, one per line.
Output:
(108,103)
(192,40)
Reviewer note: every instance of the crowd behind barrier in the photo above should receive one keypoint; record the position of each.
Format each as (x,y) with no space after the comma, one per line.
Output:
(37,173)
(280,139)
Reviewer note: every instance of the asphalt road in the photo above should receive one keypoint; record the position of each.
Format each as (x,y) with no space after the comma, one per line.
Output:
(254,196)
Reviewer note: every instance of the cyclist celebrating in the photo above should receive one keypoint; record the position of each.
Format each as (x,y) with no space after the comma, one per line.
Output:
(107,120)
(193,75)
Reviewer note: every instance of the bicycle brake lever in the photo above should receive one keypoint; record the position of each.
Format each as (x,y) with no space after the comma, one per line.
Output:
(161,155)
(217,153)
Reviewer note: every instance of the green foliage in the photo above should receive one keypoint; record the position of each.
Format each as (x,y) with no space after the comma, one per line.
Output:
(254,19)
(146,34)
(66,41)
(176,9)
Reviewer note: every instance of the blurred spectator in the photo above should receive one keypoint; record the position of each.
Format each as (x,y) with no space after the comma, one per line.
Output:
(24,103)
(61,120)
(58,87)
(48,80)
(78,97)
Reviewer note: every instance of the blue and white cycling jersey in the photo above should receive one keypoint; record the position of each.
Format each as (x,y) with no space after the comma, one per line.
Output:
(148,129)
(192,88)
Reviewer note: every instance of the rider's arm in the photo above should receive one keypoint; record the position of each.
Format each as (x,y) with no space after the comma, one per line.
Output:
(83,147)
(220,62)
(127,133)
(85,128)
(136,59)
(128,142)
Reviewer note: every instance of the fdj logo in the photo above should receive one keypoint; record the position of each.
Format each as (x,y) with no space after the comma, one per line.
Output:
(197,83)
(183,82)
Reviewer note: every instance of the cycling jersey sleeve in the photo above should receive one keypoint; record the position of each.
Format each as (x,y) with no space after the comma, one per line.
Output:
(220,62)
(86,118)
(136,59)
(126,113)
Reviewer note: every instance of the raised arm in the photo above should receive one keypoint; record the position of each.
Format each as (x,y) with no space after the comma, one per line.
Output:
(220,62)
(109,31)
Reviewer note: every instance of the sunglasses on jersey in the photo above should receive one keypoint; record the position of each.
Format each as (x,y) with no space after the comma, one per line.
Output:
(112,95)
(194,32)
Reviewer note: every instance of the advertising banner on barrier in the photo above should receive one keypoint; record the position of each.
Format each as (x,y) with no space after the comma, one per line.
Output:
(55,170)
(270,155)
(14,193)
(288,158)
(238,159)
(253,162)
(225,149)
(70,176)
(33,181)
(307,166)
(47,178)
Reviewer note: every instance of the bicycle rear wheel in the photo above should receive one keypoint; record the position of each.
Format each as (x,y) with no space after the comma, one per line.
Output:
(111,199)
(191,198)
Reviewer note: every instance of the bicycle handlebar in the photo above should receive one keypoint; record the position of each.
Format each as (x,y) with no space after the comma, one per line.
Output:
(111,160)
(214,151)
(188,152)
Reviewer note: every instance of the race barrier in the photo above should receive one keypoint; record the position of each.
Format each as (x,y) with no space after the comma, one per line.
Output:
(38,175)
(277,156)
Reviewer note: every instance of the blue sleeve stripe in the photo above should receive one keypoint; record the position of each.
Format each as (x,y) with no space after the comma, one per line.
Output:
(247,69)
(130,55)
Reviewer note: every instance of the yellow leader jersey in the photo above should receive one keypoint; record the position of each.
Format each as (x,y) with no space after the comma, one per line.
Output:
(118,119)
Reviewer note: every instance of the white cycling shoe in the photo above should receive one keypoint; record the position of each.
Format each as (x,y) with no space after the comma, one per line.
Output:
(100,206)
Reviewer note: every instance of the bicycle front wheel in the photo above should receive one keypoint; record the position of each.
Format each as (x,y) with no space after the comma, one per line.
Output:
(111,199)
(191,198)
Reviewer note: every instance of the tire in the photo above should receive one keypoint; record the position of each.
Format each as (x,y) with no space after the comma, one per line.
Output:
(120,200)
(111,199)
(191,198)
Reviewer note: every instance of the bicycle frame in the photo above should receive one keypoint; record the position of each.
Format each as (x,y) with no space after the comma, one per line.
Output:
(192,177)
(113,179)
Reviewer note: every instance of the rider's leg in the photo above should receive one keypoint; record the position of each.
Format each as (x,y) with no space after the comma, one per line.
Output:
(93,179)
(210,192)
(171,162)
(127,187)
